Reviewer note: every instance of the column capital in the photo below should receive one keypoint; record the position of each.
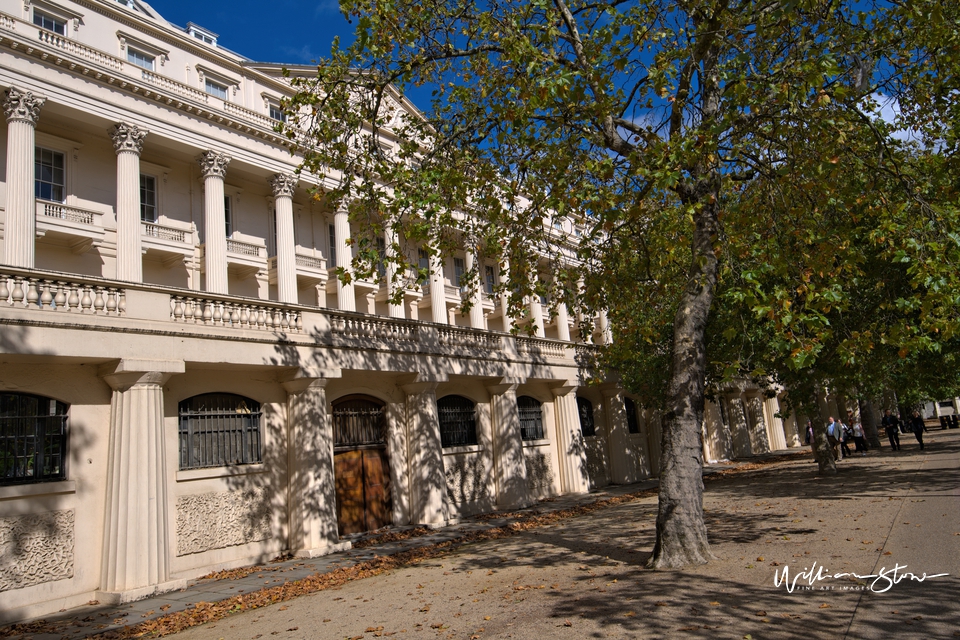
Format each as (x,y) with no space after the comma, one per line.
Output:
(284,184)
(126,373)
(213,163)
(22,106)
(564,387)
(505,385)
(303,378)
(127,137)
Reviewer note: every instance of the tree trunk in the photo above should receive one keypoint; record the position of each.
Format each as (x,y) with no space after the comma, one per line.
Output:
(868,420)
(681,531)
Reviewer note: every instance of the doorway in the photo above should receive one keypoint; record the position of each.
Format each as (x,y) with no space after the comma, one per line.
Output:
(360,465)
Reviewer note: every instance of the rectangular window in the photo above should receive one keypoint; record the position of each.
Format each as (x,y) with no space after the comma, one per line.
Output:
(381,257)
(277,113)
(49,175)
(458,270)
(49,22)
(423,259)
(140,58)
(490,279)
(219,429)
(272,238)
(215,89)
(227,216)
(148,198)
(332,231)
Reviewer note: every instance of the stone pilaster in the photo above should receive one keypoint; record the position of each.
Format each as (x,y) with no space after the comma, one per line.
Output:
(428,500)
(136,550)
(128,142)
(574,473)
(213,166)
(312,491)
(759,438)
(22,109)
(283,187)
(346,299)
(509,462)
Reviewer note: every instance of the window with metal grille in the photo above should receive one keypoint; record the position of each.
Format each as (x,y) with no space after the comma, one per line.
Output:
(33,439)
(357,422)
(531,418)
(458,421)
(631,408)
(219,429)
(49,175)
(585,410)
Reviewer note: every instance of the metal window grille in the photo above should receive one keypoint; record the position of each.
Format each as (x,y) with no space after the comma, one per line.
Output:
(219,429)
(631,408)
(458,421)
(531,418)
(585,409)
(358,422)
(33,439)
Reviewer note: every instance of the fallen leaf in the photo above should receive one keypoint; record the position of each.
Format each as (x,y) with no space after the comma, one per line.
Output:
(824,606)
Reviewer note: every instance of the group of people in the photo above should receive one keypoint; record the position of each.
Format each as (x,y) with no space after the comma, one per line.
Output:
(839,433)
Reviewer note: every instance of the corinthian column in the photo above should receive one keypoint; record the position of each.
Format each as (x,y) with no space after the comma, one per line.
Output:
(390,240)
(476,298)
(213,165)
(346,299)
(136,548)
(22,109)
(128,141)
(438,294)
(283,188)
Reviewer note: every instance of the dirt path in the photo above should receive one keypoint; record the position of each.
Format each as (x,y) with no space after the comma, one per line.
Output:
(585,577)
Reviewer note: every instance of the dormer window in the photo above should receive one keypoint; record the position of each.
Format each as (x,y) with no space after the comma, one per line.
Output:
(202,34)
(49,22)
(129,4)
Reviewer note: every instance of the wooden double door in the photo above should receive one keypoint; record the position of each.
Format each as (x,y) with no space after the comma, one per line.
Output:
(360,465)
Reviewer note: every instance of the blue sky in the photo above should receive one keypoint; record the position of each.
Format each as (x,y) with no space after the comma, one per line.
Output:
(290,31)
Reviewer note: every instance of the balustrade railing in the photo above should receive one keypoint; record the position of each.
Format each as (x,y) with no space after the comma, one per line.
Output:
(65,212)
(154,230)
(378,328)
(252,116)
(243,248)
(540,346)
(79,50)
(173,86)
(61,295)
(311,262)
(238,315)
(469,338)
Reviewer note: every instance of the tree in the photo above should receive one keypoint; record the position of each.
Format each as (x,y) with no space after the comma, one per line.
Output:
(644,120)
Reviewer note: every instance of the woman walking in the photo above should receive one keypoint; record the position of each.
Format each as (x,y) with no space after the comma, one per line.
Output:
(917,426)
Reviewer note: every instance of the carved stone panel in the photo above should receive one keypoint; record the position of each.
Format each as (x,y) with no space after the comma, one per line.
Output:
(539,471)
(36,548)
(217,520)
(466,478)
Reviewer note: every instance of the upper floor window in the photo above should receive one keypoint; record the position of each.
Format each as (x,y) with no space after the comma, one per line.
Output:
(219,429)
(202,34)
(277,113)
(141,59)
(49,22)
(531,418)
(33,439)
(585,410)
(228,216)
(423,259)
(489,279)
(215,88)
(148,198)
(381,256)
(631,408)
(332,231)
(459,268)
(49,175)
(458,421)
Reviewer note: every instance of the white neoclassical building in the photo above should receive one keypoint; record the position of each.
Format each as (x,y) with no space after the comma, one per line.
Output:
(185,385)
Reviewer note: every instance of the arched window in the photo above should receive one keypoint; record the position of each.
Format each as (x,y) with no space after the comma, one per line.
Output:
(219,429)
(358,421)
(33,439)
(631,408)
(585,409)
(458,421)
(531,418)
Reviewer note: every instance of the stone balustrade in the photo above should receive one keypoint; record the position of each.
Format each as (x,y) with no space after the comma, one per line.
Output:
(462,337)
(66,212)
(541,346)
(238,315)
(367,327)
(79,50)
(163,232)
(245,248)
(68,296)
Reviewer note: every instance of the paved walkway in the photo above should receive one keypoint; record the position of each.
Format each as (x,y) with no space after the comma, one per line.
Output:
(879,474)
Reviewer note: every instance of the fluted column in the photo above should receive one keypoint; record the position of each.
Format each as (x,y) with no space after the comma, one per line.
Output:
(312,492)
(136,551)
(22,109)
(509,461)
(127,142)
(346,300)
(606,334)
(476,297)
(390,267)
(536,308)
(213,165)
(283,187)
(574,474)
(505,296)
(428,502)
(438,294)
(563,322)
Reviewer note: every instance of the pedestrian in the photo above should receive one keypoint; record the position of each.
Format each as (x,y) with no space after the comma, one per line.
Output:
(858,439)
(891,425)
(811,439)
(916,424)
(846,435)
(834,434)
